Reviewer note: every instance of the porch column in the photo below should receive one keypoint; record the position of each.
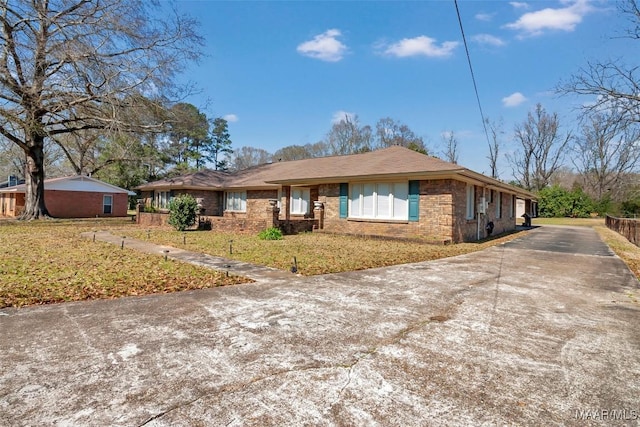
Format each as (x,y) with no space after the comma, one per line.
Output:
(273,214)
(318,213)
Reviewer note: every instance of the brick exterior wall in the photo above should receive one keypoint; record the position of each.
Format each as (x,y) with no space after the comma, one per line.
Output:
(442,215)
(82,204)
(466,230)
(72,204)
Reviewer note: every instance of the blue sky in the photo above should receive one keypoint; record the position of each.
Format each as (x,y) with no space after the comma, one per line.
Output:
(282,71)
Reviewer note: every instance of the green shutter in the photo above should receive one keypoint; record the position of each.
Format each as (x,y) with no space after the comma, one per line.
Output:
(344,199)
(414,200)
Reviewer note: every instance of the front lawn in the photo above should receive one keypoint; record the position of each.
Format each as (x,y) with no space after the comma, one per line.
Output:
(315,253)
(47,261)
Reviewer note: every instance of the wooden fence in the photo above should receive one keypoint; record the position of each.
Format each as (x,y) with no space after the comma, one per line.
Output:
(628,227)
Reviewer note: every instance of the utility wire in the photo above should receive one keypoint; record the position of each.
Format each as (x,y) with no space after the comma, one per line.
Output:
(473,77)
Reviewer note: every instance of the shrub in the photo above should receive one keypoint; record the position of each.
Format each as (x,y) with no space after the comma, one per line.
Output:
(558,202)
(183,212)
(271,233)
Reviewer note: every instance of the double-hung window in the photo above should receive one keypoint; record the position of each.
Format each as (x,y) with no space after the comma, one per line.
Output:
(498,202)
(162,199)
(388,200)
(300,201)
(471,200)
(235,201)
(107,204)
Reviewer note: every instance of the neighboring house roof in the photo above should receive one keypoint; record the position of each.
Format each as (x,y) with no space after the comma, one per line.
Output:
(204,179)
(388,163)
(73,183)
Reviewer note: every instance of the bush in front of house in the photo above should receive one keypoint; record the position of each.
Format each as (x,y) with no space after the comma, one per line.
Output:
(271,233)
(182,212)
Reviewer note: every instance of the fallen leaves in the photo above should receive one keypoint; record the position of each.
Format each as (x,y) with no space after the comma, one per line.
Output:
(47,262)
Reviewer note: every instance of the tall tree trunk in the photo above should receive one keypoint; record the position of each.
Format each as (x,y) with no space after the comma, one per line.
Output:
(34,206)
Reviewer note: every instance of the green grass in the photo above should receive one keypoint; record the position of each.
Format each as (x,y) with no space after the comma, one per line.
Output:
(580,222)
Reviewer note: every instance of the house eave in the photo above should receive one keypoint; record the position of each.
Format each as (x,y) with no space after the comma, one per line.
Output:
(368,177)
(462,174)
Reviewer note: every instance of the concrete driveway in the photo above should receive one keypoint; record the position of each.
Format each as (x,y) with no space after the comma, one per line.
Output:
(540,331)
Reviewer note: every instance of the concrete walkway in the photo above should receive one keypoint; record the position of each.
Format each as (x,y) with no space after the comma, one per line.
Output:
(258,273)
(527,333)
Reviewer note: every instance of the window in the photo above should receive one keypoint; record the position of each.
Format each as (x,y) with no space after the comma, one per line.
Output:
(511,205)
(107,204)
(162,199)
(235,201)
(300,198)
(498,202)
(471,200)
(387,200)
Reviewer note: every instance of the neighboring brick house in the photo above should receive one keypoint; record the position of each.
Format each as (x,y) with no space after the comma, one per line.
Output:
(71,197)
(394,192)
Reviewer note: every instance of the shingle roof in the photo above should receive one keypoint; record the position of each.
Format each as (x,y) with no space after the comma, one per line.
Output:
(201,179)
(389,162)
(393,160)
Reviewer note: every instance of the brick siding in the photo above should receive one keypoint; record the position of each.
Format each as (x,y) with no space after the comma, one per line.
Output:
(442,209)
(442,214)
(74,204)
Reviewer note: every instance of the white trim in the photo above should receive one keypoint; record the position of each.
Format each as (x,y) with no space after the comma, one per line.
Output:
(300,201)
(238,200)
(110,204)
(471,201)
(379,200)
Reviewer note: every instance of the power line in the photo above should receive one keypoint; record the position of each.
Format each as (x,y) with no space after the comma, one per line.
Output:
(473,77)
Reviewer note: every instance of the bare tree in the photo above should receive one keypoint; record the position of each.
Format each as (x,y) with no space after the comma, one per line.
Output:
(450,152)
(246,157)
(391,132)
(495,144)
(73,65)
(611,83)
(607,152)
(348,137)
(541,149)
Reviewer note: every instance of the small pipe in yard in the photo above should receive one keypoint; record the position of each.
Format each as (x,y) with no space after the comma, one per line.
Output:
(231,247)
(122,244)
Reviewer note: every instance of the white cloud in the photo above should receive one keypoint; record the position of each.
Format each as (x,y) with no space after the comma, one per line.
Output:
(341,115)
(325,47)
(513,100)
(488,39)
(519,5)
(420,46)
(560,19)
(231,118)
(486,17)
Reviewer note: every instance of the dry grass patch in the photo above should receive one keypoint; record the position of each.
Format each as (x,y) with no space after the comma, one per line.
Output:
(316,253)
(47,261)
